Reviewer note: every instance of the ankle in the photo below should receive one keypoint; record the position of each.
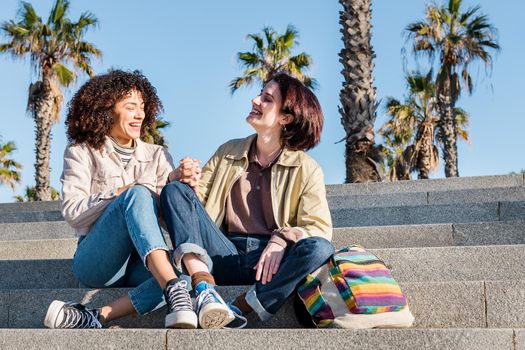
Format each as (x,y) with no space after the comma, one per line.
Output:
(171,281)
(201,276)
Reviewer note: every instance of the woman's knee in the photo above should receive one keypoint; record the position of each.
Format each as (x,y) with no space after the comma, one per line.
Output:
(315,248)
(175,190)
(138,192)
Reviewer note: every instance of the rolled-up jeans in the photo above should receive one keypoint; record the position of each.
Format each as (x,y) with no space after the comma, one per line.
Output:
(231,257)
(113,253)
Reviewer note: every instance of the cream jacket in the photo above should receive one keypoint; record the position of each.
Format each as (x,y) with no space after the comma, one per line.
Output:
(91,177)
(297,187)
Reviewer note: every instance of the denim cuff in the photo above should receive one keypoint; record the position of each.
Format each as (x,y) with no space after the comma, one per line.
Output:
(186,248)
(135,296)
(251,299)
(165,248)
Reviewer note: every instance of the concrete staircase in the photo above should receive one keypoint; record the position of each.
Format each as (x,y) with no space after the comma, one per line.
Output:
(457,247)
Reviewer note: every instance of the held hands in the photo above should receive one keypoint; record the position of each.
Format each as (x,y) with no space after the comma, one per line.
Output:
(188,172)
(269,262)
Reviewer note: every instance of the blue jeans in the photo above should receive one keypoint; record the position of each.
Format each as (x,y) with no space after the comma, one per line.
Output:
(114,252)
(231,258)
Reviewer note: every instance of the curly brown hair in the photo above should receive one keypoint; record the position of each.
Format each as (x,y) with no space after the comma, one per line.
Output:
(89,118)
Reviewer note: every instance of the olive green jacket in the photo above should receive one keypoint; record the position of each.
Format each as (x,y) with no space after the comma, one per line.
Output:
(297,187)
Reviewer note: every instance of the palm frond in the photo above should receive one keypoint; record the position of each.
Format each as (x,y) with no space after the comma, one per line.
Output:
(64,75)
(272,55)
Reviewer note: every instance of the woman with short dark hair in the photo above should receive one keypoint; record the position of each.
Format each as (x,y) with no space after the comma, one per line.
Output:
(110,187)
(268,198)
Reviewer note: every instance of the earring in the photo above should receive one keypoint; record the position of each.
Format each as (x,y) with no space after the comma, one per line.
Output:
(284,127)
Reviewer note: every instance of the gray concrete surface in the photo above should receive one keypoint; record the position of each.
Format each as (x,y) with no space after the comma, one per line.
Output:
(425,214)
(63,248)
(43,339)
(489,233)
(512,210)
(468,263)
(478,263)
(35,230)
(505,304)
(4,309)
(476,195)
(371,339)
(433,304)
(430,235)
(450,184)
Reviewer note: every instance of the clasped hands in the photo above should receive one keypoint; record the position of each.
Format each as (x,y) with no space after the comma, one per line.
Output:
(188,172)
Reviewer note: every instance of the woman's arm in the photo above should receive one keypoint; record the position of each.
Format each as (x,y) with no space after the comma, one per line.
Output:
(80,207)
(208,176)
(164,169)
(313,214)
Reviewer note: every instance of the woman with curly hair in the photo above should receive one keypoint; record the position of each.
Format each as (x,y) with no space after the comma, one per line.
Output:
(259,214)
(111,182)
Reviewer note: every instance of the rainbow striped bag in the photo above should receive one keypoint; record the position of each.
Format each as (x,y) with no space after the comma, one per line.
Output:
(355,289)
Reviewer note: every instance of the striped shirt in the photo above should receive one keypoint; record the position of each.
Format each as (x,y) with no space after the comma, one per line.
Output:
(124,153)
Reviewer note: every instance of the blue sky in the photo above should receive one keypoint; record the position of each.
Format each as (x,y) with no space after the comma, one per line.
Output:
(187,49)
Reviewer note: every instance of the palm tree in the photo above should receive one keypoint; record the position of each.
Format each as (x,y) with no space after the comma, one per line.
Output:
(413,124)
(271,55)
(413,133)
(358,96)
(30,195)
(458,38)
(153,134)
(51,46)
(9,168)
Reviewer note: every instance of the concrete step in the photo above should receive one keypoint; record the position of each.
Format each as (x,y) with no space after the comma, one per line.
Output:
(49,224)
(431,185)
(432,235)
(30,212)
(35,230)
(278,339)
(468,263)
(403,236)
(477,195)
(429,214)
(469,304)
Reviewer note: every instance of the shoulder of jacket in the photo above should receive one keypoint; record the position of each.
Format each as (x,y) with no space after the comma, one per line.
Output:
(308,164)
(77,149)
(235,145)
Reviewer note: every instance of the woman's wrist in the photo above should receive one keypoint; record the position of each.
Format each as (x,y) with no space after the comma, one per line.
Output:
(174,175)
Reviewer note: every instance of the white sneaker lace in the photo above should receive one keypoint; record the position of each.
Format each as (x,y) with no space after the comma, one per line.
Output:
(75,317)
(178,297)
(243,321)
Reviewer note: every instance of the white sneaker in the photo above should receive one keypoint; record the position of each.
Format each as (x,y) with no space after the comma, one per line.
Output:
(71,316)
(212,310)
(180,308)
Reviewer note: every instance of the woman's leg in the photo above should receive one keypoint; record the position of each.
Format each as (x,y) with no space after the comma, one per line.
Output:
(197,240)
(301,259)
(127,227)
(123,244)
(194,235)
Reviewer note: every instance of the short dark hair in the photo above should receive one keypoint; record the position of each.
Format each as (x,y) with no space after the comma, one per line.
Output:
(304,131)
(89,117)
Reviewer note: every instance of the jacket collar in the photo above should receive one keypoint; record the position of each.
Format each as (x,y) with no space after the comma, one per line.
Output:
(141,152)
(288,157)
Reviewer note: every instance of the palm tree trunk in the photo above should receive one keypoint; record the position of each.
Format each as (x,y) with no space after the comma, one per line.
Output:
(447,123)
(424,154)
(358,96)
(42,104)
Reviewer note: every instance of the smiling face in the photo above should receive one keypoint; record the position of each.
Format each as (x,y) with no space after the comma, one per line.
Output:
(128,116)
(266,115)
